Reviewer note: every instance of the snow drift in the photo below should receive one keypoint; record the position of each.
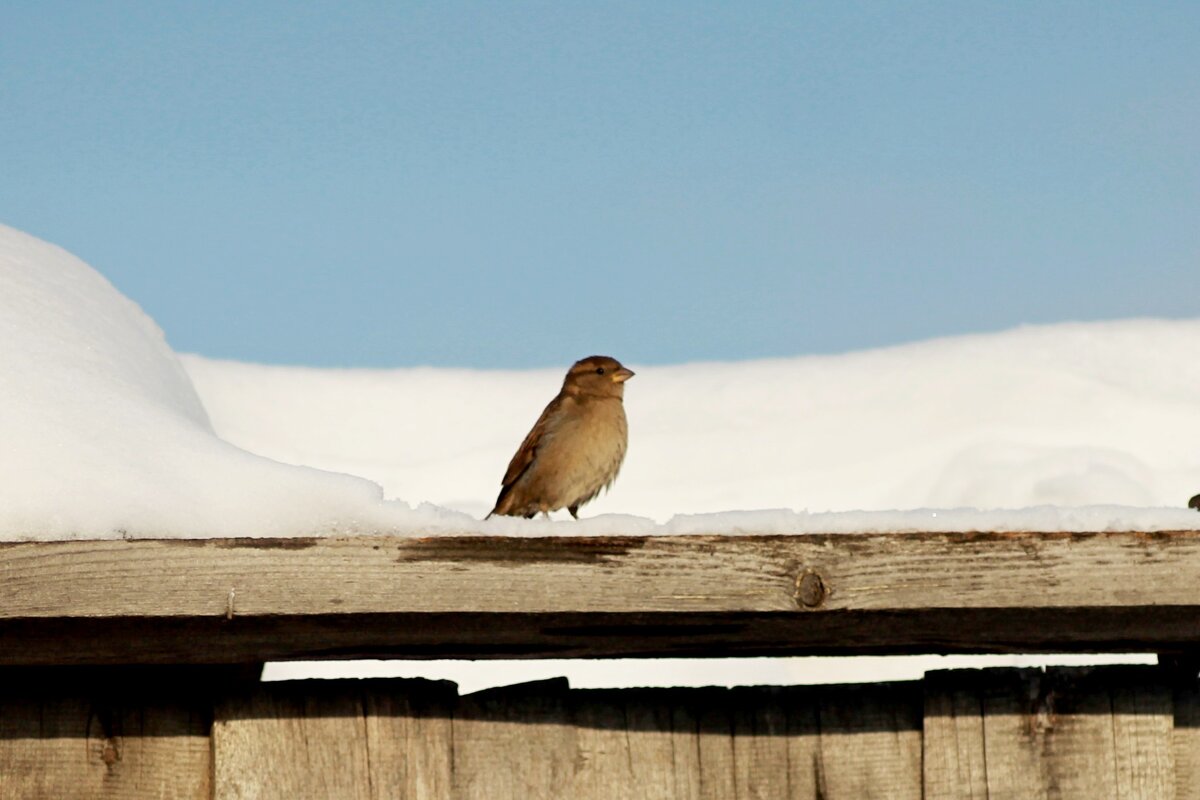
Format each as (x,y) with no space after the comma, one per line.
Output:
(1079,426)
(105,435)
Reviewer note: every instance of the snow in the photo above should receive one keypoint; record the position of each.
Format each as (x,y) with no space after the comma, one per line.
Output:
(1068,427)
(105,436)
(108,433)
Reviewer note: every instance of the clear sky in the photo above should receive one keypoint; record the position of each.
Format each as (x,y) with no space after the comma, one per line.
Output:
(520,184)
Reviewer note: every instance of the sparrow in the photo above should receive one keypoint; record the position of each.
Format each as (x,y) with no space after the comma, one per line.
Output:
(575,448)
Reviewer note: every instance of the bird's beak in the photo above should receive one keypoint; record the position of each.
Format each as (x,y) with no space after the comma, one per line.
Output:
(622,375)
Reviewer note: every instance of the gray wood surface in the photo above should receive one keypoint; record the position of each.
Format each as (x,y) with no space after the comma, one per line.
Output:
(1064,733)
(1186,738)
(1119,732)
(409,737)
(199,601)
(136,734)
(871,742)
(543,740)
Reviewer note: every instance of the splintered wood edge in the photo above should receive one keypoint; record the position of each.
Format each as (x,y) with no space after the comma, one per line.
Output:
(246,599)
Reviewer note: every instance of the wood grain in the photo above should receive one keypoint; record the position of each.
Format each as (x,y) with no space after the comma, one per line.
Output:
(871,742)
(543,740)
(199,601)
(274,742)
(954,741)
(1062,733)
(1186,737)
(1003,734)
(137,734)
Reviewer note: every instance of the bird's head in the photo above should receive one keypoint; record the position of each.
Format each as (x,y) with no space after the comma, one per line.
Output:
(598,376)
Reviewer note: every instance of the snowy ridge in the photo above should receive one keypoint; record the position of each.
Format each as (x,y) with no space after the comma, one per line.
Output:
(103,434)
(1080,426)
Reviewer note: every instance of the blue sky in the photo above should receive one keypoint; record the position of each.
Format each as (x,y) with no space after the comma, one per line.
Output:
(521,184)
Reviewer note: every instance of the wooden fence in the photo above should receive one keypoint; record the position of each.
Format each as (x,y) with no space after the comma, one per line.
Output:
(129,667)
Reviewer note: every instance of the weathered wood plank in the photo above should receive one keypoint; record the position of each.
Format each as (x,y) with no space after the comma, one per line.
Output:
(954,741)
(414,739)
(760,744)
(144,732)
(273,741)
(685,748)
(104,734)
(805,773)
(374,740)
(638,743)
(1065,733)
(410,738)
(251,599)
(1143,732)
(514,742)
(656,765)
(871,742)
(1185,743)
(714,747)
(605,753)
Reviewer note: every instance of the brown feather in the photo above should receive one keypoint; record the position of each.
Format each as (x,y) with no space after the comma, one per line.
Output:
(526,453)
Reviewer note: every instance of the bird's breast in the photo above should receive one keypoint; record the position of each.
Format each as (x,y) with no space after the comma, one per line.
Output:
(586,449)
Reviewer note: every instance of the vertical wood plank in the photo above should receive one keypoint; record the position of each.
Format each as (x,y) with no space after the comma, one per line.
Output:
(1064,733)
(685,745)
(803,741)
(954,765)
(760,747)
(603,761)
(870,744)
(714,745)
(410,738)
(1185,740)
(1143,729)
(628,745)
(287,740)
(514,742)
(1043,731)
(104,733)
(1016,718)
(653,747)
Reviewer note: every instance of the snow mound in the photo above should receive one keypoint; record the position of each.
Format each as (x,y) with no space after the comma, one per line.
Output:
(1100,415)
(104,436)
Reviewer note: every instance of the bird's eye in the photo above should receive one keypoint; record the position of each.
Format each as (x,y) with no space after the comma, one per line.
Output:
(599,370)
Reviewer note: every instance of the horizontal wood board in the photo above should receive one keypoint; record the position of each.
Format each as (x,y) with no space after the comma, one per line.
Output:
(239,600)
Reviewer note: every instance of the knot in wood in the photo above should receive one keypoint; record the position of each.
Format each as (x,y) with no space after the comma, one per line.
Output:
(110,753)
(810,589)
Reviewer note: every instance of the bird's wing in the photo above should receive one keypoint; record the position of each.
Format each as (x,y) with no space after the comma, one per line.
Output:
(528,449)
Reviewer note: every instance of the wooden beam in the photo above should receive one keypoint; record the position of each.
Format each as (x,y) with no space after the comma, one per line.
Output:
(238,600)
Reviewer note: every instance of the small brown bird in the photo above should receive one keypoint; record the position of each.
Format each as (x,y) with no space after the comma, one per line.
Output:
(575,448)
(1194,502)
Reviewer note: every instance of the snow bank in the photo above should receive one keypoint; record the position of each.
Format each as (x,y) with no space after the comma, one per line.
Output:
(1080,426)
(1092,427)
(103,434)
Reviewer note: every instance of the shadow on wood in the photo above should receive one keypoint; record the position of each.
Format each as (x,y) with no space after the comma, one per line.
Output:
(192,732)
